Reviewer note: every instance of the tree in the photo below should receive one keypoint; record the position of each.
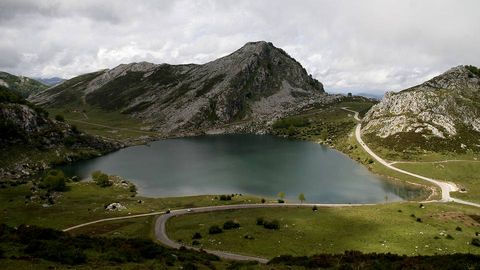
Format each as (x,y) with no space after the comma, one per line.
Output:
(101,179)
(59,117)
(281,195)
(215,230)
(349,95)
(301,197)
(54,180)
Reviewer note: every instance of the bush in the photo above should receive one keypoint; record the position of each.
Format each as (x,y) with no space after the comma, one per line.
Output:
(281,201)
(260,221)
(197,235)
(132,188)
(215,230)
(314,208)
(263,200)
(59,117)
(225,198)
(271,225)
(101,179)
(230,224)
(476,242)
(54,180)
(75,129)
(419,220)
(458,229)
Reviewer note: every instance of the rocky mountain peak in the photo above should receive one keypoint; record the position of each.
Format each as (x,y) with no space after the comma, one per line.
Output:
(456,78)
(254,84)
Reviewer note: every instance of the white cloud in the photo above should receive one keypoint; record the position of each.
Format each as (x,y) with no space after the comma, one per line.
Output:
(370,45)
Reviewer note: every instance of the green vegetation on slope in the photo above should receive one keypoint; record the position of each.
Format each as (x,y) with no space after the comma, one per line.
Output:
(22,86)
(329,125)
(401,228)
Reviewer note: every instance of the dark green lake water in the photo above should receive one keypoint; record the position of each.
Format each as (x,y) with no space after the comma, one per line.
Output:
(246,164)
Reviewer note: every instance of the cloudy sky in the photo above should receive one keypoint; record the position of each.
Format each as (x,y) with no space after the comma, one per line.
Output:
(350,46)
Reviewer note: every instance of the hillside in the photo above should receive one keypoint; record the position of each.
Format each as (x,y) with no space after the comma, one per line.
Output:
(30,141)
(23,86)
(442,114)
(250,87)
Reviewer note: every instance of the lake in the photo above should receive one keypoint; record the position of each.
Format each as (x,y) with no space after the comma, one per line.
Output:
(245,164)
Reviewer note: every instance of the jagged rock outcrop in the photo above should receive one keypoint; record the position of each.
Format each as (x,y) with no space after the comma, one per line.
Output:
(24,127)
(445,107)
(243,91)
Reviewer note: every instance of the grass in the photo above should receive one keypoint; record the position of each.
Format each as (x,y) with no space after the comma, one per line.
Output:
(466,174)
(380,228)
(114,125)
(85,202)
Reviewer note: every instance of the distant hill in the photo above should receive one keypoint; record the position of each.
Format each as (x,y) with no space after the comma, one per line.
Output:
(50,81)
(243,91)
(440,114)
(23,86)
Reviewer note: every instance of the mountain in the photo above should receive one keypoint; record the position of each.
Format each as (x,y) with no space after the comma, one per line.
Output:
(250,87)
(442,113)
(24,86)
(50,81)
(31,141)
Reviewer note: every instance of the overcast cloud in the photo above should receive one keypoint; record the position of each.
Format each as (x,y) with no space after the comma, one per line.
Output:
(350,46)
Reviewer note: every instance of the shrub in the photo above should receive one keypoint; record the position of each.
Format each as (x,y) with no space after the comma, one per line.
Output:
(419,220)
(458,228)
(230,224)
(132,188)
(260,221)
(59,117)
(476,242)
(54,180)
(314,208)
(271,225)
(197,235)
(449,237)
(225,198)
(75,129)
(281,201)
(263,200)
(215,230)
(101,179)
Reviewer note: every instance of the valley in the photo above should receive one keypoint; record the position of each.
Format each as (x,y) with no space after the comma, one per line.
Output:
(243,130)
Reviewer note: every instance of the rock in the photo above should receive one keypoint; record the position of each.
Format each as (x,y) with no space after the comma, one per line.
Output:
(442,107)
(115,207)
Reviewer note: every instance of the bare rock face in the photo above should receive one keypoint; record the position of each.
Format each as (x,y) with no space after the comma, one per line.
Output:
(443,107)
(243,91)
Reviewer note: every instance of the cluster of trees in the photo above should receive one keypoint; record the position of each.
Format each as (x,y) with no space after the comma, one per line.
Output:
(281,197)
(54,180)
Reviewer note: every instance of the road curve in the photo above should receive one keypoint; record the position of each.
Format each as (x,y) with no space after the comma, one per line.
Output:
(161,230)
(445,187)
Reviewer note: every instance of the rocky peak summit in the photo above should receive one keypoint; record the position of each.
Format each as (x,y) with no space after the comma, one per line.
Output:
(251,87)
(456,78)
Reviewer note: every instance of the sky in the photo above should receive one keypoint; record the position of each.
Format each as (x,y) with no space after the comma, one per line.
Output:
(367,46)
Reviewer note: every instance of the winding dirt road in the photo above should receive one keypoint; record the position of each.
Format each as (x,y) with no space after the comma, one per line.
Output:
(445,187)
